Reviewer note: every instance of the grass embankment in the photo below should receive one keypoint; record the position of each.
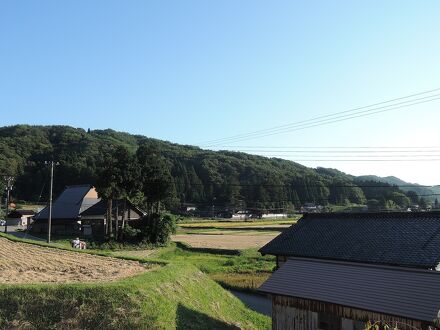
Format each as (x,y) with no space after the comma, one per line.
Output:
(242,270)
(174,296)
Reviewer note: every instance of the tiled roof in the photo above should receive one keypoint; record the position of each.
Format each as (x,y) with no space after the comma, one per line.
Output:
(402,239)
(398,291)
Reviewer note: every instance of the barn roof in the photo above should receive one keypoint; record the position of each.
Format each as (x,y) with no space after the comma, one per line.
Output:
(69,204)
(401,239)
(405,292)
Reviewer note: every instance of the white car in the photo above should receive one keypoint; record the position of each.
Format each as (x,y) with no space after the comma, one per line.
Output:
(2,222)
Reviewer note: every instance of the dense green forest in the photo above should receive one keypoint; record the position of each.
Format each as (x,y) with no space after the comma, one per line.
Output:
(227,180)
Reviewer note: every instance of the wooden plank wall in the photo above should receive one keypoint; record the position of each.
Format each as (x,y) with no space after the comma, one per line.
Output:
(296,313)
(286,317)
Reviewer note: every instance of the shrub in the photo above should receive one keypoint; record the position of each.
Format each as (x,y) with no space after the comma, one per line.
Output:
(157,228)
(130,234)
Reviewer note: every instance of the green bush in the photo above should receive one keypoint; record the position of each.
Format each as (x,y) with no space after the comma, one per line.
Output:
(130,234)
(157,228)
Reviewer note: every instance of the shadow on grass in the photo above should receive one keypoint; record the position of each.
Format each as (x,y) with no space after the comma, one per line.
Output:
(187,247)
(187,318)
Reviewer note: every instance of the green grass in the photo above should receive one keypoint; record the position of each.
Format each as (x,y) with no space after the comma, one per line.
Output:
(174,296)
(242,270)
(245,261)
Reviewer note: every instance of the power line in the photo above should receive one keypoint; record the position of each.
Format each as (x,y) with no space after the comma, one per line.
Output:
(342,151)
(325,118)
(330,115)
(367,160)
(320,123)
(356,156)
(295,185)
(285,157)
(331,147)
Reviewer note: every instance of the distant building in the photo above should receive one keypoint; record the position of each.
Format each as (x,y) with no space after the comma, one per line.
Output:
(187,207)
(310,208)
(273,215)
(339,271)
(257,214)
(20,217)
(241,215)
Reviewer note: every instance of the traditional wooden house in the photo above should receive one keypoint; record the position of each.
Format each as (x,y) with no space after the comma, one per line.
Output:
(94,219)
(340,271)
(66,210)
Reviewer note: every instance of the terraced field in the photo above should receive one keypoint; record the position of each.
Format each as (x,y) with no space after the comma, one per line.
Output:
(25,263)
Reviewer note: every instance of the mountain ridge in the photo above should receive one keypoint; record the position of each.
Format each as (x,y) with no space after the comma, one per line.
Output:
(221,178)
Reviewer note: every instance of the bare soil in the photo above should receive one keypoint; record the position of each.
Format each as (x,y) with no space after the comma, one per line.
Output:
(225,241)
(26,263)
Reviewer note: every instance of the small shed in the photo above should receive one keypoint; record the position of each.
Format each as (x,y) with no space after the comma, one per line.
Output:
(20,217)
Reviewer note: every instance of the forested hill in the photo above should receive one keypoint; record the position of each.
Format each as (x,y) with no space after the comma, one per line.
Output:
(206,178)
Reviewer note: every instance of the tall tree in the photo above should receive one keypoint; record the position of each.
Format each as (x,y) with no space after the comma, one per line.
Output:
(413,196)
(155,177)
(117,179)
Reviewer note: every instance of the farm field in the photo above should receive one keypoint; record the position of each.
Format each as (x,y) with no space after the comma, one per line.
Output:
(26,263)
(237,241)
(235,235)
(174,293)
(282,223)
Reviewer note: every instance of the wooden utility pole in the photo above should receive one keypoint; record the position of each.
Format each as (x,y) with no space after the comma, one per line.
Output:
(51,163)
(9,180)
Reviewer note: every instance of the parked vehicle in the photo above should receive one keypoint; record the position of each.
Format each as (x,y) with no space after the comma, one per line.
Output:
(2,222)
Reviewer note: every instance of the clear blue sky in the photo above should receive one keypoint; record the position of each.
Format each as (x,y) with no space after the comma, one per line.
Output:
(191,71)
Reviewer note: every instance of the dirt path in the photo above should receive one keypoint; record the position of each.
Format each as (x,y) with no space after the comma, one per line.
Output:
(26,263)
(225,241)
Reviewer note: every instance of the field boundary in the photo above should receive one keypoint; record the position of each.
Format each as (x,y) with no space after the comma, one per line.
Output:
(187,247)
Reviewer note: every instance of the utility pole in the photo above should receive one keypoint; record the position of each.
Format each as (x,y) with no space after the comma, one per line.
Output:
(9,180)
(51,163)
(213,207)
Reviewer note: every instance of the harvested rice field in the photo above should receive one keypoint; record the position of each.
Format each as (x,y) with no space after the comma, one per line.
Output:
(22,263)
(233,242)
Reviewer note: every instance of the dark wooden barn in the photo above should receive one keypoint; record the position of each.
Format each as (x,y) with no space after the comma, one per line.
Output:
(343,271)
